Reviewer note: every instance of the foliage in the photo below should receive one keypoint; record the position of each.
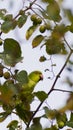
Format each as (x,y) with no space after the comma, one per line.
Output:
(17,86)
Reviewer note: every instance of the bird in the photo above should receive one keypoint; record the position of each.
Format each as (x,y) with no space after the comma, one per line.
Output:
(27,95)
(33,78)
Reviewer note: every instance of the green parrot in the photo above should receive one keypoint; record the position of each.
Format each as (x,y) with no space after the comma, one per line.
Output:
(26,94)
(33,78)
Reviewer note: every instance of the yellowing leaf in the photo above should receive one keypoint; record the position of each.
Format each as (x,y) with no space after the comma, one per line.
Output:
(30,31)
(37,40)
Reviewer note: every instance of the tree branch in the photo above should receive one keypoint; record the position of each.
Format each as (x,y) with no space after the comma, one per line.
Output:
(61,90)
(52,88)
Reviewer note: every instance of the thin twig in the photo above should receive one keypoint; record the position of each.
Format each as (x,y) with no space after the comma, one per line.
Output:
(67,43)
(30,6)
(61,90)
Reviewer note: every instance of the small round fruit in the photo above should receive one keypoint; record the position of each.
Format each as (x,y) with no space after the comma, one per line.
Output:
(39,21)
(33,17)
(6,75)
(42,28)
(61,124)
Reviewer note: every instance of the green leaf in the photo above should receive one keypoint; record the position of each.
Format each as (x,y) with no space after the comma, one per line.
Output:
(70,122)
(53,127)
(36,124)
(2,13)
(6,26)
(13,125)
(3,116)
(24,114)
(50,114)
(53,11)
(37,41)
(41,95)
(22,77)
(30,31)
(42,59)
(21,20)
(55,46)
(68,13)
(12,52)
(8,17)
(8,90)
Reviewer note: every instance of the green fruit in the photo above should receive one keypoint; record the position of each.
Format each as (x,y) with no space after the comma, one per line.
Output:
(42,28)
(39,21)
(33,17)
(6,75)
(61,124)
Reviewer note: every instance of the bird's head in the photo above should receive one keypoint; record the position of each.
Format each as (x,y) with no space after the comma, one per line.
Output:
(36,76)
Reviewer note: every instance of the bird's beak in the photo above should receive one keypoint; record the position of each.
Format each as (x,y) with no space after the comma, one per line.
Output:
(41,77)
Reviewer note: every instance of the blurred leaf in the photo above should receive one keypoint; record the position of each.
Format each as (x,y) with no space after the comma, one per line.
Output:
(2,13)
(59,31)
(8,17)
(69,69)
(12,52)
(55,46)
(42,59)
(61,120)
(53,11)
(8,91)
(45,1)
(68,105)
(37,41)
(30,31)
(53,127)
(71,62)
(36,124)
(3,116)
(24,114)
(41,95)
(13,125)
(22,77)
(71,28)
(69,14)
(50,114)
(6,26)
(70,122)
(21,20)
